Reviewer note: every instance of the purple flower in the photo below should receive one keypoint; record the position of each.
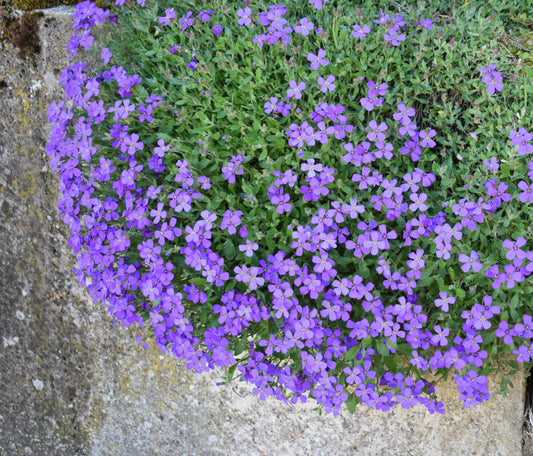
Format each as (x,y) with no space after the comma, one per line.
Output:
(393,37)
(498,192)
(271,106)
(418,361)
(317,59)
(375,131)
(204,182)
(106,55)
(418,202)
(304,26)
(404,114)
(284,108)
(493,165)
(244,16)
(521,138)
(523,353)
(145,112)
(398,21)
(359,32)
(470,262)
(242,274)
(231,220)
(161,148)
(409,129)
(311,167)
(295,89)
(383,18)
(353,209)
(186,21)
(453,358)
(192,64)
(270,344)
(374,95)
(492,78)
(440,337)
(426,23)
(416,259)
(169,15)
(425,138)
(528,192)
(494,86)
(318,4)
(512,273)
(233,168)
(121,109)
(427,178)
(148,251)
(513,248)
(279,199)
(489,309)
(411,181)
(248,248)
(217,29)
(167,231)
(444,301)
(131,144)
(526,327)
(243,232)
(255,279)
(504,332)
(158,213)
(204,15)
(488,74)
(327,84)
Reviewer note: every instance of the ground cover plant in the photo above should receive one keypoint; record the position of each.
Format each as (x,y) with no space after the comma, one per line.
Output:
(331,200)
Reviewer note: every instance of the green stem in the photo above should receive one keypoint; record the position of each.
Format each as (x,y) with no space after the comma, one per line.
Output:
(335,31)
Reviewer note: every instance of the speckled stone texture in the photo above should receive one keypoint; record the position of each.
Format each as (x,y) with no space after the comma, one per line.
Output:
(74,385)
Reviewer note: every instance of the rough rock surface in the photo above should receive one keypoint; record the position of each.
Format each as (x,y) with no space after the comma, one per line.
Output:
(74,385)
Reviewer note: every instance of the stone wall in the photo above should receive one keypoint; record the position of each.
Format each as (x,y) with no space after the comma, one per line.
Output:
(72,384)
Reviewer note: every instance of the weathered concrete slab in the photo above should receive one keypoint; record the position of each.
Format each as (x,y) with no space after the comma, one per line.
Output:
(73,385)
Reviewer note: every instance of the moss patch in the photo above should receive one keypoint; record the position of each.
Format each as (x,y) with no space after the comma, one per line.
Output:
(20,30)
(28,5)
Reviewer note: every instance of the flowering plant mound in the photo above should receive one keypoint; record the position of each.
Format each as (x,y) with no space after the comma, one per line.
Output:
(331,202)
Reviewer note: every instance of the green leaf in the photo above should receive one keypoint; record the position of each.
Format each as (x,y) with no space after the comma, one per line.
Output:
(505,170)
(352,352)
(404,349)
(203,316)
(351,403)
(382,349)
(451,272)
(390,363)
(489,337)
(229,250)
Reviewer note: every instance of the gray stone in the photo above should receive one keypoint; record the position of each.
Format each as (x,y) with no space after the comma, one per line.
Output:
(74,384)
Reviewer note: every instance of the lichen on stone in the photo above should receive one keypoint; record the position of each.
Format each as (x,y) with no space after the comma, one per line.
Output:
(28,5)
(21,31)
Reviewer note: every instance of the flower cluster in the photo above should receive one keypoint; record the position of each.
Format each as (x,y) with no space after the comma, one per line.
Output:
(492,78)
(335,250)
(233,168)
(522,139)
(393,27)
